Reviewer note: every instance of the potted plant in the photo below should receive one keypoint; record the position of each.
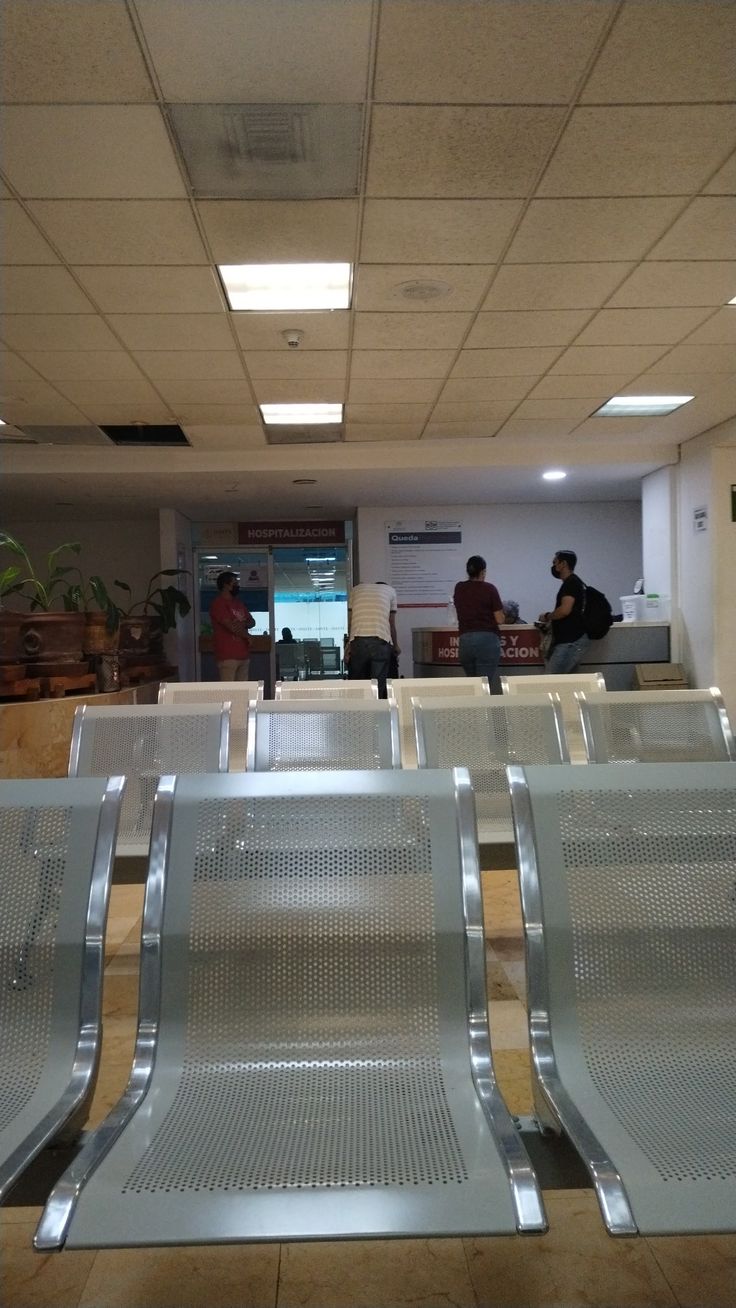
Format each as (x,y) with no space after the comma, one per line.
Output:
(144,623)
(89,595)
(40,636)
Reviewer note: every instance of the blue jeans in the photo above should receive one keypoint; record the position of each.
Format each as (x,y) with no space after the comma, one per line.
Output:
(479,653)
(369,660)
(565,658)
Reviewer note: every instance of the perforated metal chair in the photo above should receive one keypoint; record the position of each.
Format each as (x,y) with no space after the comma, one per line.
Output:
(327,690)
(485,733)
(301,735)
(237,693)
(313,1057)
(656,726)
(143,742)
(56,849)
(627,882)
(289,659)
(401,690)
(565,686)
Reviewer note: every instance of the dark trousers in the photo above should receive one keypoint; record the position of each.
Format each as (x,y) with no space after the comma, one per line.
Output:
(369,660)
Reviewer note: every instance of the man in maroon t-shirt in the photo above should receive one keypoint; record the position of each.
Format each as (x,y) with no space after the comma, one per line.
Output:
(231,623)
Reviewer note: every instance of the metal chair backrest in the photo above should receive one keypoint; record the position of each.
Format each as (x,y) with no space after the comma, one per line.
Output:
(237,693)
(402,689)
(313,658)
(289,658)
(484,733)
(313,1057)
(327,690)
(304,735)
(565,686)
(656,726)
(56,850)
(627,879)
(143,742)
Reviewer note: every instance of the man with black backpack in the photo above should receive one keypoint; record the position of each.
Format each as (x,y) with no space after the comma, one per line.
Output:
(569,638)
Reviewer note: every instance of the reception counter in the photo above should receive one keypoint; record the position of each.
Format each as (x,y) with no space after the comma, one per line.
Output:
(435,651)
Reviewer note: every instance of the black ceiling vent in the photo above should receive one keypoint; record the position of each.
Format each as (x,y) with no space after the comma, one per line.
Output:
(141,433)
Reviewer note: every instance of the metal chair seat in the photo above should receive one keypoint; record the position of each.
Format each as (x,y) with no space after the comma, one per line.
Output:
(296,734)
(312,1056)
(144,742)
(656,726)
(485,733)
(401,690)
(56,849)
(627,881)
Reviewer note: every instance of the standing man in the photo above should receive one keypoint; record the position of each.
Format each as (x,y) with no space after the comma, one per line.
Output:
(568,632)
(231,623)
(372,617)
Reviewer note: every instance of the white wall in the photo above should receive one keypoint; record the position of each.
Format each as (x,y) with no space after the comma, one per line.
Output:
(695,564)
(518,542)
(175,537)
(127,550)
(724,597)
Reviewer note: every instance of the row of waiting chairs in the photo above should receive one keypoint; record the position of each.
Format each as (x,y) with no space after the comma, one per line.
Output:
(481,732)
(313,1057)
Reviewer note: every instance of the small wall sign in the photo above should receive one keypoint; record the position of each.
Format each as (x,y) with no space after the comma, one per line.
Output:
(700,519)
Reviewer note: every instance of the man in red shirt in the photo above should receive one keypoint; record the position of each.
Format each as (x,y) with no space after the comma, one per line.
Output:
(231,623)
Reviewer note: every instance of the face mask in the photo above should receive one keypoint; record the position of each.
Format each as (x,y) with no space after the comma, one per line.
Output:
(554,571)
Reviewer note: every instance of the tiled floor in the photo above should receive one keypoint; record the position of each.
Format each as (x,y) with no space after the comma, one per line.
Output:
(575,1264)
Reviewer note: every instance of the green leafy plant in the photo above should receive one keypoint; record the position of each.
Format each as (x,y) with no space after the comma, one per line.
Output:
(40,590)
(88,593)
(164,602)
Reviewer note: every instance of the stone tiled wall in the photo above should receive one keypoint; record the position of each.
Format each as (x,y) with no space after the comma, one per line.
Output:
(35,736)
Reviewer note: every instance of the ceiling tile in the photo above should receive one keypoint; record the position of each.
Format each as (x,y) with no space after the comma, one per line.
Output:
(641,326)
(87,150)
(126,391)
(29,390)
(26,289)
(83,365)
(385,286)
(596,387)
(386,391)
(280,231)
(475,411)
(132,232)
(55,411)
(679,383)
(640,150)
(444,431)
(59,331)
(696,358)
(200,391)
(217,414)
(649,55)
(226,52)
(720,329)
(617,427)
(554,285)
(73,50)
(190,365)
(504,363)
(436,231)
(570,231)
(153,290)
(463,151)
(662,284)
(385,431)
(395,331)
(173,331)
(470,389)
(231,437)
(20,240)
(375,413)
(263,331)
(533,327)
(13,368)
(706,230)
(608,358)
(295,364)
(401,363)
(5,193)
(473,51)
(123,415)
(283,390)
(724,181)
(570,410)
(528,430)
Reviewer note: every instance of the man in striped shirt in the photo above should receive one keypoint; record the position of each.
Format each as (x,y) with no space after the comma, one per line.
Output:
(372,614)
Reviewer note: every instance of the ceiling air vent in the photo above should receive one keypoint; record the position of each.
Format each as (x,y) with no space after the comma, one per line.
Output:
(270,151)
(313,434)
(141,433)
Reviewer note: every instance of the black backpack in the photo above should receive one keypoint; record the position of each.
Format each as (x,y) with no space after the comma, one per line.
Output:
(597,616)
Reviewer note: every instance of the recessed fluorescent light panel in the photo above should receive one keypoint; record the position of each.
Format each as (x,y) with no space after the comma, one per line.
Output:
(554,474)
(733,301)
(641,406)
(297,415)
(282,287)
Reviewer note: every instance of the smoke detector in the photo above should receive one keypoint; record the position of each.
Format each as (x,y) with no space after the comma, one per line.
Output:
(422,290)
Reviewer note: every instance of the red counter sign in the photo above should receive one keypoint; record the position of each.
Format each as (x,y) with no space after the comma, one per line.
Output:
(517,647)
